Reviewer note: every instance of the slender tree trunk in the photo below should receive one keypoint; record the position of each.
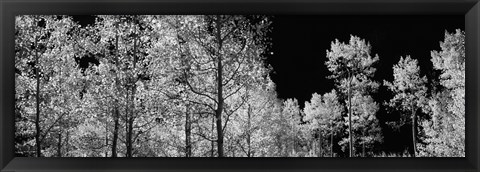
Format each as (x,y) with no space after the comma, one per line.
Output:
(115,132)
(320,144)
(133,86)
(294,139)
(331,140)
(129,126)
(116,111)
(350,114)
(363,149)
(414,133)
(37,117)
(129,136)
(106,138)
(127,123)
(363,144)
(219,90)
(212,142)
(67,139)
(59,145)
(248,132)
(314,147)
(188,146)
(128,152)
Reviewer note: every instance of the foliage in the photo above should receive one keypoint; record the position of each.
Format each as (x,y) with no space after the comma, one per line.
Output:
(445,132)
(410,93)
(352,68)
(200,86)
(324,115)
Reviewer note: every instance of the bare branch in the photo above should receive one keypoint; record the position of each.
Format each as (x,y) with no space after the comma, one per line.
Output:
(205,137)
(204,104)
(51,126)
(231,113)
(235,72)
(198,93)
(238,89)
(241,146)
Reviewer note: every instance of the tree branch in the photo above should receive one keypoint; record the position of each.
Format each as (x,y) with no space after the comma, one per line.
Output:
(235,72)
(238,89)
(51,126)
(231,113)
(205,137)
(204,104)
(195,91)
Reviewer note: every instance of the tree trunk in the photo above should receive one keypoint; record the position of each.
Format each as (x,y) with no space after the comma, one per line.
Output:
(129,123)
(59,145)
(188,148)
(350,114)
(133,87)
(106,138)
(331,140)
(67,138)
(116,111)
(219,109)
(363,149)
(320,144)
(363,144)
(314,147)
(248,132)
(128,152)
(37,117)
(115,132)
(414,133)
(129,137)
(294,139)
(212,142)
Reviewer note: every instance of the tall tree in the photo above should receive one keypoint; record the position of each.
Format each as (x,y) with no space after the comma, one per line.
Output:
(277,128)
(324,113)
(120,44)
(410,91)
(349,61)
(244,132)
(65,80)
(451,62)
(50,42)
(219,55)
(364,122)
(291,111)
(29,33)
(445,133)
(110,45)
(313,110)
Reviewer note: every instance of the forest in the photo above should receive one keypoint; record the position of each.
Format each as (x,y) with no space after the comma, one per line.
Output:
(200,86)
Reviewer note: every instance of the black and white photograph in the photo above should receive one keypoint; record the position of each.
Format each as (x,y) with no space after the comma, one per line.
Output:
(320,86)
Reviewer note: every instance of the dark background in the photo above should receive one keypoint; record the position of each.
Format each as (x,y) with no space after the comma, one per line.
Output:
(300,44)
(298,55)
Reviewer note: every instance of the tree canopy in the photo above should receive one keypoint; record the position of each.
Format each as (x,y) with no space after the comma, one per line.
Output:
(201,86)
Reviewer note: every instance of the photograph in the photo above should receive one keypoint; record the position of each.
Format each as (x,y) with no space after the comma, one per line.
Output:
(319,86)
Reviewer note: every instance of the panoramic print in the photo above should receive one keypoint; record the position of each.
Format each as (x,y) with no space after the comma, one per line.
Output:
(239,86)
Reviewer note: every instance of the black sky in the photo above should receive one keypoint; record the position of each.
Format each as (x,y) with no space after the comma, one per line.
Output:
(300,44)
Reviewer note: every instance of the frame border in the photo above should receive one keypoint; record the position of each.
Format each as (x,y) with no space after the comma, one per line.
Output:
(469,8)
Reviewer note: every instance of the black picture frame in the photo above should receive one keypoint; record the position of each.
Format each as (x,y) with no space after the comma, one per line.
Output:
(10,8)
